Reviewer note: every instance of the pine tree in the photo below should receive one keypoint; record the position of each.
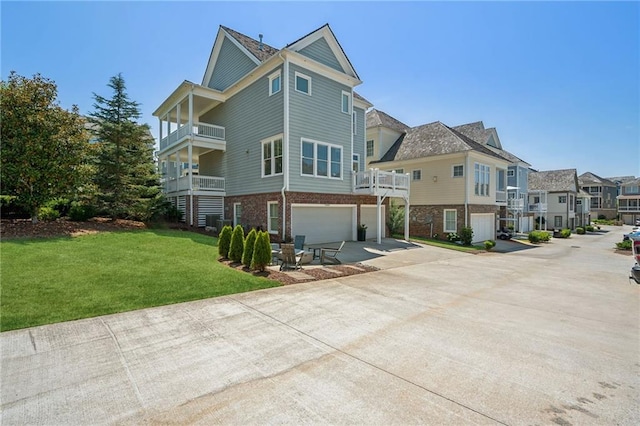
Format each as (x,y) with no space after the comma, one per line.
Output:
(261,252)
(249,244)
(237,244)
(126,177)
(224,241)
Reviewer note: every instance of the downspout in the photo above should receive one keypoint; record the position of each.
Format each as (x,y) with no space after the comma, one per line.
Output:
(466,189)
(285,142)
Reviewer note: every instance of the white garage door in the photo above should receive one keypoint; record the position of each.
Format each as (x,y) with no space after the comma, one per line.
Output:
(483,225)
(323,224)
(369,217)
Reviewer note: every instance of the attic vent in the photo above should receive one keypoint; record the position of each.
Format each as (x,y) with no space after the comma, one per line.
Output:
(260,36)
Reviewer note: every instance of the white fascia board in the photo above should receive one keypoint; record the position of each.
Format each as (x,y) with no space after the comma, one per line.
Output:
(215,52)
(362,105)
(182,91)
(308,63)
(494,132)
(326,33)
(265,69)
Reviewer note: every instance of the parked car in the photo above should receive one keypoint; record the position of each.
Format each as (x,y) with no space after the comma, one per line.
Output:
(504,234)
(637,222)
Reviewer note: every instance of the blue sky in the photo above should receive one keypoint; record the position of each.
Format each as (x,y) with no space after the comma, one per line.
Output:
(558,80)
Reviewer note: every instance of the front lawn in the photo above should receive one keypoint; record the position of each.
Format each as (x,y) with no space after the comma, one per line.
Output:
(60,279)
(444,244)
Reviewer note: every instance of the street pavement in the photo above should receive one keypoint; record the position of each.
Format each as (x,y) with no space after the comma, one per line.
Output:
(545,335)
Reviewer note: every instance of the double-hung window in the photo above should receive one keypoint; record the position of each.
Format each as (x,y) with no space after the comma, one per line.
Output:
(272,213)
(370,148)
(346,102)
(458,170)
(272,157)
(416,174)
(450,220)
(562,199)
(481,176)
(321,159)
(356,163)
(275,83)
(303,83)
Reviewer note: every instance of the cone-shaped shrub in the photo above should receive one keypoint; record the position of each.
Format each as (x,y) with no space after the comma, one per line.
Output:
(261,252)
(224,241)
(237,244)
(249,244)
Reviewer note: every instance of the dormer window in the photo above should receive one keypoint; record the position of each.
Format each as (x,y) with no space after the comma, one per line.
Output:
(275,85)
(303,83)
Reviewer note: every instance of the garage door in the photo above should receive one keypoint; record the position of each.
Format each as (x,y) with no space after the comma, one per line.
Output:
(483,225)
(323,224)
(369,217)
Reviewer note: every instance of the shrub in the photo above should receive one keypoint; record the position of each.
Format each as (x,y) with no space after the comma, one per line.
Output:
(61,205)
(565,233)
(236,248)
(590,228)
(47,214)
(539,236)
(466,235)
(396,218)
(224,241)
(79,212)
(580,231)
(249,244)
(453,237)
(489,244)
(261,252)
(171,213)
(601,217)
(625,245)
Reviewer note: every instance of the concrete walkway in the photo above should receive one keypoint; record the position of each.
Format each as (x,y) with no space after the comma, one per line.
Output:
(543,336)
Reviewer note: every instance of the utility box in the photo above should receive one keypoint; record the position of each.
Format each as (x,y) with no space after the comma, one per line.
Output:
(211,220)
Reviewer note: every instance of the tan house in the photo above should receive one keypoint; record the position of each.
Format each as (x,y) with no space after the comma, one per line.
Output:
(629,202)
(555,192)
(455,181)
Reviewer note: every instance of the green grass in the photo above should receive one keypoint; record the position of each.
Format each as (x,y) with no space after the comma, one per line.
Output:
(60,279)
(444,244)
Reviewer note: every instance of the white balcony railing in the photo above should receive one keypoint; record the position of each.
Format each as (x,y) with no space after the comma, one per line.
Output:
(538,207)
(515,204)
(204,130)
(377,182)
(199,183)
(501,197)
(629,209)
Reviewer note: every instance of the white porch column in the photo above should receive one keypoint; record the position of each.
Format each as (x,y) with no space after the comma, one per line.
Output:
(191,111)
(379,217)
(160,128)
(168,125)
(406,218)
(190,155)
(178,118)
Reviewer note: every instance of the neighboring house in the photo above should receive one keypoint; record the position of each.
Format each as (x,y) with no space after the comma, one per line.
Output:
(455,181)
(603,194)
(583,208)
(515,213)
(277,137)
(619,180)
(629,201)
(552,196)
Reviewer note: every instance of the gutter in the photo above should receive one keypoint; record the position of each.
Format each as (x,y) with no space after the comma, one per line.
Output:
(285,142)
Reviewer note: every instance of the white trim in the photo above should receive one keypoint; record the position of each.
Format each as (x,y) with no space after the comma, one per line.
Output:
(269,204)
(354,160)
(453,167)
(215,52)
(235,213)
(373,147)
(271,140)
(273,76)
(354,123)
(322,69)
(305,77)
(315,159)
(444,220)
(342,96)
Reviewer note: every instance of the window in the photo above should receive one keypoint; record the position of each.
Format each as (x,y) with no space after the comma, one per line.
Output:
(416,174)
(272,215)
(481,176)
(356,163)
(399,171)
(370,148)
(321,159)
(354,123)
(237,213)
(274,83)
(272,157)
(511,173)
(557,221)
(500,180)
(562,199)
(536,200)
(458,170)
(346,102)
(450,221)
(303,83)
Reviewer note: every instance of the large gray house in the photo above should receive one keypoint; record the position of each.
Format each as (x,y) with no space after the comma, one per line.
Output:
(274,139)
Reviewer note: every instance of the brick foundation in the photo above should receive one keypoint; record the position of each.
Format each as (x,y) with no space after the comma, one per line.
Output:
(420,216)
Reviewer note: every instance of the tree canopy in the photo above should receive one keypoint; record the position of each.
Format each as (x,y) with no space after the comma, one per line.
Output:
(43,146)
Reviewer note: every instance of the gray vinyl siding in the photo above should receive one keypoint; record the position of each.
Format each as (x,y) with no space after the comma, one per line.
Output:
(232,64)
(249,117)
(320,51)
(524,179)
(318,117)
(609,194)
(359,137)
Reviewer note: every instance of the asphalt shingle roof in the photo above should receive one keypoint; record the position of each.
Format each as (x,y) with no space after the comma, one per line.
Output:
(377,118)
(252,45)
(591,178)
(430,140)
(621,179)
(478,133)
(553,180)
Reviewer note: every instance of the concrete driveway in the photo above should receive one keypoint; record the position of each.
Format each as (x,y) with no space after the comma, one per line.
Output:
(549,335)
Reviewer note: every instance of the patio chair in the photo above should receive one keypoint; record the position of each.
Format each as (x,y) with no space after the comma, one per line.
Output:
(289,258)
(330,254)
(298,242)
(275,253)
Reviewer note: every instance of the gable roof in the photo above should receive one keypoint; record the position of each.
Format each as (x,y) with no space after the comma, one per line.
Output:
(554,180)
(478,133)
(632,182)
(430,140)
(261,51)
(590,178)
(377,118)
(621,179)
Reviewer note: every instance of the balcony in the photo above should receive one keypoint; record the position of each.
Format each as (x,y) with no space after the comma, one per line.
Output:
(377,182)
(501,197)
(515,204)
(538,207)
(201,132)
(210,184)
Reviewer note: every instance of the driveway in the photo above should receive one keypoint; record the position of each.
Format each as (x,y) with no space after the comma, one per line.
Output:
(549,335)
